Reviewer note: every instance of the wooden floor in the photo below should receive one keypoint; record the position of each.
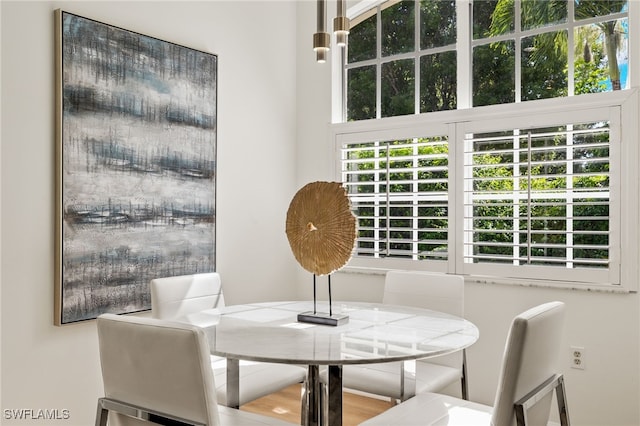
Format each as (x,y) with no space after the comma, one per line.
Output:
(285,405)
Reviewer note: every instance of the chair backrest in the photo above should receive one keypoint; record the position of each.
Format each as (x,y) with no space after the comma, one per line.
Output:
(531,357)
(440,292)
(172,297)
(157,365)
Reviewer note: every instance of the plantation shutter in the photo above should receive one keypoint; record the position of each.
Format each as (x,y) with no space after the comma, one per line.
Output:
(399,194)
(539,197)
(532,198)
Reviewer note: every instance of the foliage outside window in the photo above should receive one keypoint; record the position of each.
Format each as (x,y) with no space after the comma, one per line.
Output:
(413,76)
(529,41)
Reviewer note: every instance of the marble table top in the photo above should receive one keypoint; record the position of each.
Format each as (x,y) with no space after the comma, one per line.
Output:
(270,332)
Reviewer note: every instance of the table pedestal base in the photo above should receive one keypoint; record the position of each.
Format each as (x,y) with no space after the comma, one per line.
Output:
(322,405)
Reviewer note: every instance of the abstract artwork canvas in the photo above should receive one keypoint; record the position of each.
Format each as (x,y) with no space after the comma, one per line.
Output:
(135,166)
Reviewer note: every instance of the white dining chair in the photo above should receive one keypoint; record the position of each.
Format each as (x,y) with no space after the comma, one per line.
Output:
(439,292)
(173,297)
(158,372)
(529,375)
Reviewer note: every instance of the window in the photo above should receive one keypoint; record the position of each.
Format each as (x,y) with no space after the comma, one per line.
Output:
(402,58)
(532,49)
(491,144)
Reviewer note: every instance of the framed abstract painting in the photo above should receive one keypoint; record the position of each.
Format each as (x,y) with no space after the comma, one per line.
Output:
(135,166)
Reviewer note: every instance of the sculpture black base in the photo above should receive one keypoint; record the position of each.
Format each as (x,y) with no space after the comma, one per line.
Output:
(323,318)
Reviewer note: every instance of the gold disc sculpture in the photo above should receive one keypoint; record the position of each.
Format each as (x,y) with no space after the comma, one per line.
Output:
(321,227)
(322,233)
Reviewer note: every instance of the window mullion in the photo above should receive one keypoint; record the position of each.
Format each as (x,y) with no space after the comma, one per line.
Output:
(415,202)
(518,48)
(464,53)
(529,203)
(379,63)
(377,204)
(387,183)
(516,197)
(467,202)
(416,55)
(570,48)
(456,210)
(570,196)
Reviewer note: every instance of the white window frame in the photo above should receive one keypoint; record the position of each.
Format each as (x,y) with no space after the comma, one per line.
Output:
(626,193)
(624,217)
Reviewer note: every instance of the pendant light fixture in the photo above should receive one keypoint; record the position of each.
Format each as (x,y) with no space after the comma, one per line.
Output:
(321,39)
(341,24)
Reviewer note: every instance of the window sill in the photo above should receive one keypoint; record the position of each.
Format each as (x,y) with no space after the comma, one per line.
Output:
(487,280)
(560,285)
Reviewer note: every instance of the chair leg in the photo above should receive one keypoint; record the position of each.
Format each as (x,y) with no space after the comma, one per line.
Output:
(102,414)
(556,382)
(463,379)
(106,405)
(561,396)
(304,403)
(324,405)
(311,414)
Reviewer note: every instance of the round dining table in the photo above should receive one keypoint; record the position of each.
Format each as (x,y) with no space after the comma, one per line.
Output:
(367,333)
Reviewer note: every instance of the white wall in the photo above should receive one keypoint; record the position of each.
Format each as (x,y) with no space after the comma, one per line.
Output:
(313,98)
(606,393)
(47,367)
